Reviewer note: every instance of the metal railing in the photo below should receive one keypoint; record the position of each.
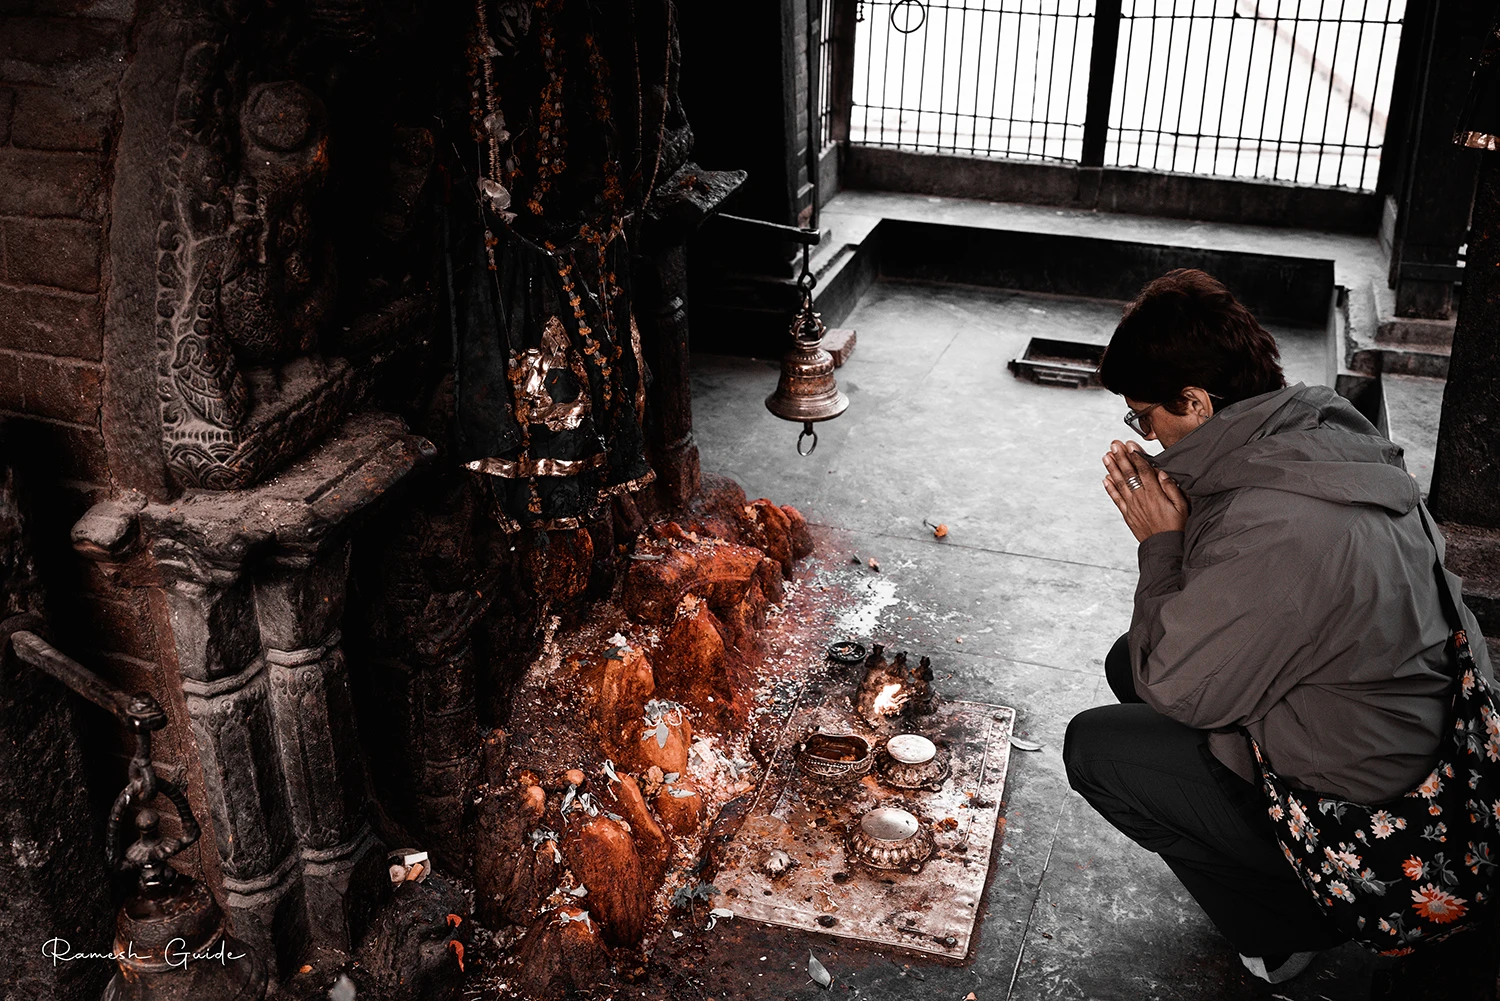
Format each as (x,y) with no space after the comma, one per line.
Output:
(825,71)
(974,76)
(1291,90)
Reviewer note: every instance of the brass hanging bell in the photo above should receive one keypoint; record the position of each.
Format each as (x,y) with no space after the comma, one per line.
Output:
(807,392)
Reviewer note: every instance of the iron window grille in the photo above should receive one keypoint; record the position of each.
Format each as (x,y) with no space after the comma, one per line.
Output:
(1286,90)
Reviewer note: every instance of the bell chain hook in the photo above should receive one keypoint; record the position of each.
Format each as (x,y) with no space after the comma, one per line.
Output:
(807,431)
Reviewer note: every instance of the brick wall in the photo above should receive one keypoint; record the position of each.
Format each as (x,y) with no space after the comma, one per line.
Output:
(797,82)
(60,67)
(61,63)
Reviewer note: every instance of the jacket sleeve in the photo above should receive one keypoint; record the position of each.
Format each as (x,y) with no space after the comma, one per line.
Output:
(1206,645)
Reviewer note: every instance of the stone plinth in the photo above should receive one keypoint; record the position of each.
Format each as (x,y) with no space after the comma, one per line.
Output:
(249,586)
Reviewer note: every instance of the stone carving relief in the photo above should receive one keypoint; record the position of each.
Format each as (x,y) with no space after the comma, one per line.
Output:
(243,277)
(203,393)
(279,276)
(258,354)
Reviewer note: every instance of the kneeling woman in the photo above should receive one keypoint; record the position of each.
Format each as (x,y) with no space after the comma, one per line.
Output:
(1287,593)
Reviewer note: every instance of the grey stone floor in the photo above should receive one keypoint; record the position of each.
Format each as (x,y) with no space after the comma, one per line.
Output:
(1019,605)
(1358,261)
(1414,404)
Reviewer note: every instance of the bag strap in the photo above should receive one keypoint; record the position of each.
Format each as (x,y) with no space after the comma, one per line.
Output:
(1445,592)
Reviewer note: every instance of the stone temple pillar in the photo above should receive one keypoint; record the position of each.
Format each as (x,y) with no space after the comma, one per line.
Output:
(299,610)
(222,671)
(1466,474)
(685,200)
(252,583)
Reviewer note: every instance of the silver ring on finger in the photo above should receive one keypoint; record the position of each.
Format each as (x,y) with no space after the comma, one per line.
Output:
(1133,482)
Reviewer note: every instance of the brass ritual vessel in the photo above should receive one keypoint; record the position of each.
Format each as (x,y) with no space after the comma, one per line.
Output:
(911,761)
(890,838)
(835,758)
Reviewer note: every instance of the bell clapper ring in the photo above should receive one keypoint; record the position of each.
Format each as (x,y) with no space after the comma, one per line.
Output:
(807,431)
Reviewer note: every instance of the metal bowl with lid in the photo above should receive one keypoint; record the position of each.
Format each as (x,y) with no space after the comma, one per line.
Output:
(912,761)
(835,758)
(890,838)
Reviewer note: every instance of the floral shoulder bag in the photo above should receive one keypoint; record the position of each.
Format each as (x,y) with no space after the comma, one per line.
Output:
(1419,868)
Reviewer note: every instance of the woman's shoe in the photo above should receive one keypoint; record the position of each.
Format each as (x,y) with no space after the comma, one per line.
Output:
(1278,969)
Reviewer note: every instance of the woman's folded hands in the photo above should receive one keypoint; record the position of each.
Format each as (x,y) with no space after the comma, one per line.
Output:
(1149,500)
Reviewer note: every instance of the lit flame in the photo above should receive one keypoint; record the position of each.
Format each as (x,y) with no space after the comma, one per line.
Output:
(890,700)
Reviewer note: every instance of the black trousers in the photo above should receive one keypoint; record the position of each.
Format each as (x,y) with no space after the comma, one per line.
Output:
(1157,781)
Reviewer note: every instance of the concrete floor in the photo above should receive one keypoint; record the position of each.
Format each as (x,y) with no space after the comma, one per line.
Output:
(1019,605)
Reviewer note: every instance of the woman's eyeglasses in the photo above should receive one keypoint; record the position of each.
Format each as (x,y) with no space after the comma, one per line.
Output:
(1137,420)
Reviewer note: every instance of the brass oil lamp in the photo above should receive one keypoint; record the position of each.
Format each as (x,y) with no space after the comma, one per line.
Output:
(807,392)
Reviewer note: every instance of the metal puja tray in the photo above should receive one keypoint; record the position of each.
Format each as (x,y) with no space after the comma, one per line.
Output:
(827,890)
(1059,363)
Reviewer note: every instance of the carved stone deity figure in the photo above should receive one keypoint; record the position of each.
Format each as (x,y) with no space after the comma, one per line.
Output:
(245,280)
(279,277)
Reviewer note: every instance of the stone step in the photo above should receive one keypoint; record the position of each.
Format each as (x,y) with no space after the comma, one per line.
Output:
(1407,331)
(1402,345)
(1415,332)
(1431,363)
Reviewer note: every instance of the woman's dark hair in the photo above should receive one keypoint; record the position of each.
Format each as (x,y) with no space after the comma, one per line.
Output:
(1186,329)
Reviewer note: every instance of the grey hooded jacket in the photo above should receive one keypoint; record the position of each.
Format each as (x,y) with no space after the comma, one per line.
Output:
(1300,600)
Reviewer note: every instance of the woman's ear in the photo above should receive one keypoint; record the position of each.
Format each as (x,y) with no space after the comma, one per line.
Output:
(1200,404)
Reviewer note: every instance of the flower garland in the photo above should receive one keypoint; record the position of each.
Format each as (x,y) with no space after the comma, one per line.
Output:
(491,131)
(614,193)
(590,348)
(552,140)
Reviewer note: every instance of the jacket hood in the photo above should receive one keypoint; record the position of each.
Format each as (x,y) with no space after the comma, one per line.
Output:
(1303,440)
